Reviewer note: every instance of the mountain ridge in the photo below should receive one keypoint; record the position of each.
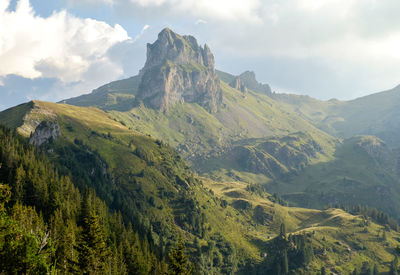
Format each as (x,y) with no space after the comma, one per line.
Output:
(133,149)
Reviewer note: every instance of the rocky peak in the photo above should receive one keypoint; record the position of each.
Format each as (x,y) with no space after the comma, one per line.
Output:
(248,80)
(249,77)
(177,69)
(177,49)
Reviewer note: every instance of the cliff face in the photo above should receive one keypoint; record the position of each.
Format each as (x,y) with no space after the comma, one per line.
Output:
(45,132)
(238,85)
(177,70)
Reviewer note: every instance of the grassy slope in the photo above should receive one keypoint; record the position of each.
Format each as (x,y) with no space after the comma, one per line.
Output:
(352,177)
(336,232)
(80,123)
(118,95)
(259,160)
(341,241)
(14,117)
(198,134)
(210,142)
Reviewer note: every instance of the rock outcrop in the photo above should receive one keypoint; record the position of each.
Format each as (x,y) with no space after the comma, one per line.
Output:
(247,81)
(177,70)
(45,132)
(238,85)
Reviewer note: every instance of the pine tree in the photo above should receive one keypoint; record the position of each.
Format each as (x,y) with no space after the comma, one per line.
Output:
(282,230)
(393,266)
(21,252)
(371,271)
(92,249)
(278,268)
(285,262)
(178,261)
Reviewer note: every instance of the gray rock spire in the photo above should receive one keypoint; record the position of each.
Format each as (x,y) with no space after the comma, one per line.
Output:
(177,70)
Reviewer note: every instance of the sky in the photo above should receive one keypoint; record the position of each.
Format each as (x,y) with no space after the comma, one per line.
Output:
(53,50)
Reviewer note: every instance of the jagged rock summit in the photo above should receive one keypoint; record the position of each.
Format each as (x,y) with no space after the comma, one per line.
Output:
(177,70)
(247,80)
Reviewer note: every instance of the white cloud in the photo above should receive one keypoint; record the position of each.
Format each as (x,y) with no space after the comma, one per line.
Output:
(91,2)
(200,21)
(223,9)
(60,46)
(137,37)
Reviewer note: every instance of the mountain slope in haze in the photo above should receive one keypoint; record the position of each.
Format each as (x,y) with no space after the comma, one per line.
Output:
(151,186)
(376,114)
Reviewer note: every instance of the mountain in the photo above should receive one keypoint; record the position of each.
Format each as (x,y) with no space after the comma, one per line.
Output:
(187,121)
(364,171)
(141,178)
(374,114)
(134,143)
(260,136)
(149,184)
(177,70)
(233,222)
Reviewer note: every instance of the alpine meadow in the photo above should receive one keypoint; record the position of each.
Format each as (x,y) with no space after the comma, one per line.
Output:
(181,168)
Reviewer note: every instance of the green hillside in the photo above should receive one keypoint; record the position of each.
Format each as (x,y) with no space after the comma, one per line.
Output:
(275,140)
(341,241)
(197,134)
(364,171)
(117,95)
(226,226)
(273,157)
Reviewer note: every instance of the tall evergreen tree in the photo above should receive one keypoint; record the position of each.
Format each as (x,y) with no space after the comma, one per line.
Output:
(285,262)
(21,251)
(179,261)
(92,249)
(393,266)
(282,230)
